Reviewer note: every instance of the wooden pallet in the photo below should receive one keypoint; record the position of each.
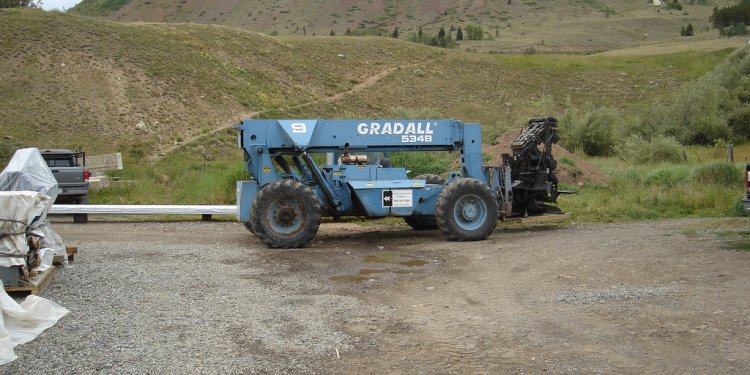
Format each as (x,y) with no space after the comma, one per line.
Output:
(72,251)
(36,284)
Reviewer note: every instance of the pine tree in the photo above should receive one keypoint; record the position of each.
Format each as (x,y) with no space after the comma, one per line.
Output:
(348,32)
(441,33)
(689,30)
(682,31)
(419,33)
(395,32)
(20,4)
(459,34)
(332,33)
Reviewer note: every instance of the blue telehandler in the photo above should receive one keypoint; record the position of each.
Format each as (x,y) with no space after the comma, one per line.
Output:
(289,192)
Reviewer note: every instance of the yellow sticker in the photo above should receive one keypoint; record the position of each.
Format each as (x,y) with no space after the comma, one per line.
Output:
(337,173)
(370,184)
(361,167)
(266,170)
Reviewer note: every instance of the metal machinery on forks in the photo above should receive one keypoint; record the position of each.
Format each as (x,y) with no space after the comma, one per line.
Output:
(289,192)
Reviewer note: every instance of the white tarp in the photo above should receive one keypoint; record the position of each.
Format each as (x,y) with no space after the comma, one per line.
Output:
(27,171)
(21,323)
(19,209)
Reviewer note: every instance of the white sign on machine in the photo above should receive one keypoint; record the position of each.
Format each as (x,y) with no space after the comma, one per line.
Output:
(397,198)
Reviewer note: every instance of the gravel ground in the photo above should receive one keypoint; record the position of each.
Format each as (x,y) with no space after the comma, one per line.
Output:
(194,297)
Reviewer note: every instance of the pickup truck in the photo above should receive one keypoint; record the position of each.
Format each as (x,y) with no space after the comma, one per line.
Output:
(746,199)
(71,176)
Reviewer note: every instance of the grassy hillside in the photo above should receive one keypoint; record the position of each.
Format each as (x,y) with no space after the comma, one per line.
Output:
(570,25)
(75,81)
(79,81)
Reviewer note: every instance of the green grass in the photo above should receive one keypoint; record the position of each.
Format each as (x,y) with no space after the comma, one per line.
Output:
(647,192)
(738,240)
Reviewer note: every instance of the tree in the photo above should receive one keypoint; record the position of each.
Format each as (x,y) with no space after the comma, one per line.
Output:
(332,33)
(348,31)
(395,32)
(419,33)
(674,4)
(441,33)
(689,30)
(20,3)
(433,42)
(459,34)
(474,32)
(682,31)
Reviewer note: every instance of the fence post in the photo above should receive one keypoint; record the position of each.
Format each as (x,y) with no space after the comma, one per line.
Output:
(730,153)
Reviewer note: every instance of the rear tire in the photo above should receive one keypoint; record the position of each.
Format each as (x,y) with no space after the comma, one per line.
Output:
(424,222)
(248,226)
(286,214)
(466,210)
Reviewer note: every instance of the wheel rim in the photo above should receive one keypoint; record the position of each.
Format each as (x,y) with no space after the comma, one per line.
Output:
(286,216)
(470,212)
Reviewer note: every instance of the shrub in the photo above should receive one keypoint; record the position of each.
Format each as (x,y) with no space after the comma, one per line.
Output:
(696,114)
(700,111)
(719,173)
(639,150)
(739,122)
(591,130)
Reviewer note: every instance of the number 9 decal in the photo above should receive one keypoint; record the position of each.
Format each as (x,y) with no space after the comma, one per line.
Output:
(299,127)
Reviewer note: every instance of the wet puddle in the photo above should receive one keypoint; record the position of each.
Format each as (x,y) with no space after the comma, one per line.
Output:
(349,278)
(383,258)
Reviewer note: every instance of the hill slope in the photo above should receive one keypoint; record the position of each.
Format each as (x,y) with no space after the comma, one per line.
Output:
(575,24)
(78,81)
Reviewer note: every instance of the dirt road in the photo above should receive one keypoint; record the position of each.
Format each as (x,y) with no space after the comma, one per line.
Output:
(653,297)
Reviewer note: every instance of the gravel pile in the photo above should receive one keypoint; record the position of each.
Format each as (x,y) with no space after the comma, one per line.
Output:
(610,295)
(183,308)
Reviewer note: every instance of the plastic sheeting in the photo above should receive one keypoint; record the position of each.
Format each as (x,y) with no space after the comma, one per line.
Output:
(51,240)
(21,323)
(19,209)
(27,171)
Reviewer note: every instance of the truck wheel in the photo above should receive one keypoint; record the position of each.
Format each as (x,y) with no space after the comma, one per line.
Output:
(466,210)
(286,214)
(424,222)
(81,218)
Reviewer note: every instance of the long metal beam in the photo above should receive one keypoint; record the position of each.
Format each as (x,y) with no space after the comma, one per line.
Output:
(142,209)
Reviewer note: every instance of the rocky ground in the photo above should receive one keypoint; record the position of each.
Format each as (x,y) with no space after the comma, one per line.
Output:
(184,297)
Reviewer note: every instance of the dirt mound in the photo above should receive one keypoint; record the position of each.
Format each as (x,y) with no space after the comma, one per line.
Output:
(570,168)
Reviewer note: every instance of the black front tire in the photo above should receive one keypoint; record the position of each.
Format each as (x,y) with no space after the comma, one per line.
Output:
(466,210)
(286,214)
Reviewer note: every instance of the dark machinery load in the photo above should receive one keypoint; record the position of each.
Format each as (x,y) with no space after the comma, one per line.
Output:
(533,168)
